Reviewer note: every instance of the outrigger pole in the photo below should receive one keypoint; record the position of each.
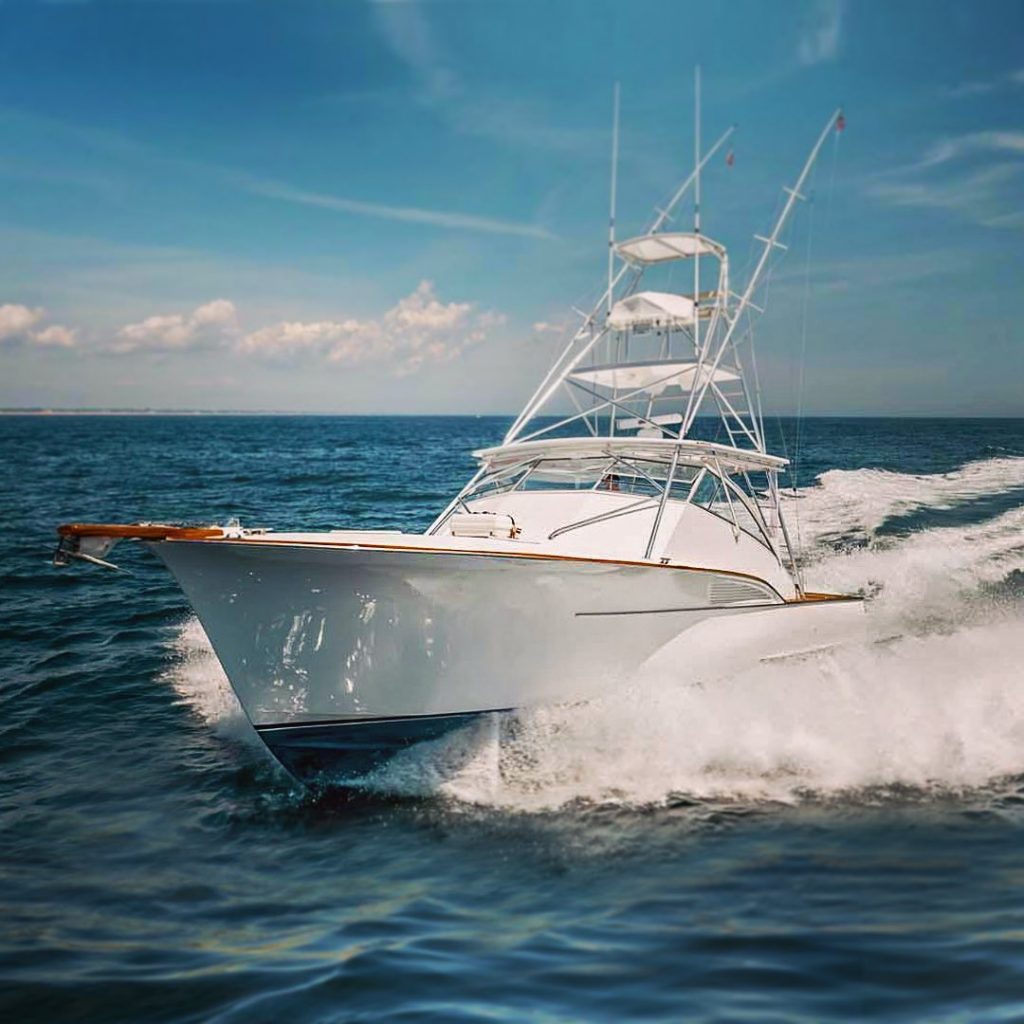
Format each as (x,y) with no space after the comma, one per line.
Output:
(611,213)
(770,243)
(696,211)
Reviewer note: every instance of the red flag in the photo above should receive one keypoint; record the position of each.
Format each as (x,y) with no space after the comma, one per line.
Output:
(730,158)
(840,122)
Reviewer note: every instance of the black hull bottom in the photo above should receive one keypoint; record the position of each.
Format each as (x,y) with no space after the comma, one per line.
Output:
(345,751)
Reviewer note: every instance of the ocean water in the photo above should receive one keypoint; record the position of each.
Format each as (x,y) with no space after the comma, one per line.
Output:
(834,838)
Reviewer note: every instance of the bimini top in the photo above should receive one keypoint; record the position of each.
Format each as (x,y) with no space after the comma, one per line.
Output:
(646,250)
(645,310)
(653,376)
(733,460)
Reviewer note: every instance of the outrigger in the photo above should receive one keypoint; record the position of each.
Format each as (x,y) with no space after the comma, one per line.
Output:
(588,542)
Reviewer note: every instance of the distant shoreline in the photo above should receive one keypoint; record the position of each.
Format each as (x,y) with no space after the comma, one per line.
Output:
(158,412)
(246,412)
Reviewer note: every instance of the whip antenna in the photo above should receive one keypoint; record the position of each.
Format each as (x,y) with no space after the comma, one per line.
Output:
(611,214)
(696,210)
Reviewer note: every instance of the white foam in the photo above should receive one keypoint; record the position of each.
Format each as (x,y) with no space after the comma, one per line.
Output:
(931,572)
(854,503)
(940,706)
(938,712)
(197,677)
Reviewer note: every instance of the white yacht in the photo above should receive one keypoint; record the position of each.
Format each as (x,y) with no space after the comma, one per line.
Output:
(631,510)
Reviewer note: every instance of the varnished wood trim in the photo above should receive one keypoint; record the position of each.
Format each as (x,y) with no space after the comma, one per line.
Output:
(808,597)
(136,531)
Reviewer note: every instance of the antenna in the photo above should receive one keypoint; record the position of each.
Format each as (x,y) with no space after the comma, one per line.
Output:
(611,215)
(696,149)
(696,210)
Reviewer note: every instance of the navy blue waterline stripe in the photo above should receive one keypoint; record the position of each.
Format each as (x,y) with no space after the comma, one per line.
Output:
(323,722)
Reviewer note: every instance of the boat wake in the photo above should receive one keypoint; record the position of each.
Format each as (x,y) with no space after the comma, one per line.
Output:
(932,701)
(845,506)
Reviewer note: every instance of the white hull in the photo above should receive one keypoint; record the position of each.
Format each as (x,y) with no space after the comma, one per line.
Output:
(316,638)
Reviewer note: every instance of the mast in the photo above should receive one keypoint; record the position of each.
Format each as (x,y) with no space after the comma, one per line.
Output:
(611,213)
(696,210)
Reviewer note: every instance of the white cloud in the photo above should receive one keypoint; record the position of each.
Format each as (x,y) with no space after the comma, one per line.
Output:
(984,86)
(218,313)
(945,150)
(56,336)
(18,325)
(292,338)
(820,39)
(1011,219)
(976,88)
(408,33)
(412,214)
(979,196)
(16,321)
(975,175)
(418,329)
(206,326)
(514,121)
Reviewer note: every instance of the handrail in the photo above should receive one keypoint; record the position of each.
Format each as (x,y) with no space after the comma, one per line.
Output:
(636,506)
(728,498)
(662,503)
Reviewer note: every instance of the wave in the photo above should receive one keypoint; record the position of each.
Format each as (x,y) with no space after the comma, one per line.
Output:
(930,699)
(853,504)
(936,713)
(196,675)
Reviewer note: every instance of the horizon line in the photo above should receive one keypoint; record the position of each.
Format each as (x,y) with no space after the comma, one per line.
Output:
(43,411)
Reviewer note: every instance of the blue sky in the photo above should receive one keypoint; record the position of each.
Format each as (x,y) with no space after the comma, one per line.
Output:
(391,207)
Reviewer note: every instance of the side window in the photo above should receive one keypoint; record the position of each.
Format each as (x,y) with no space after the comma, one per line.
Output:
(709,493)
(745,519)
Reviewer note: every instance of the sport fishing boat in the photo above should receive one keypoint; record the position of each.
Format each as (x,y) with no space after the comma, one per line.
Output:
(631,511)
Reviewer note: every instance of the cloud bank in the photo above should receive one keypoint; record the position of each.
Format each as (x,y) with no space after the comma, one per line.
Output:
(205,327)
(419,329)
(19,325)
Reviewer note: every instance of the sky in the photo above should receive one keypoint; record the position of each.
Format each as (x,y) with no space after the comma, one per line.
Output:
(393,207)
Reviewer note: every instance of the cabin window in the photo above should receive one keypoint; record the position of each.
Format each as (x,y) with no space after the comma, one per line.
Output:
(564,475)
(634,476)
(710,494)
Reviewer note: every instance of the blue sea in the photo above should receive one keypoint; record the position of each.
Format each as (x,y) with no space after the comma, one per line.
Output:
(838,837)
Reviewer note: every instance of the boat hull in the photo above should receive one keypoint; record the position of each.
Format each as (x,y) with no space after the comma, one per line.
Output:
(350,750)
(341,655)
